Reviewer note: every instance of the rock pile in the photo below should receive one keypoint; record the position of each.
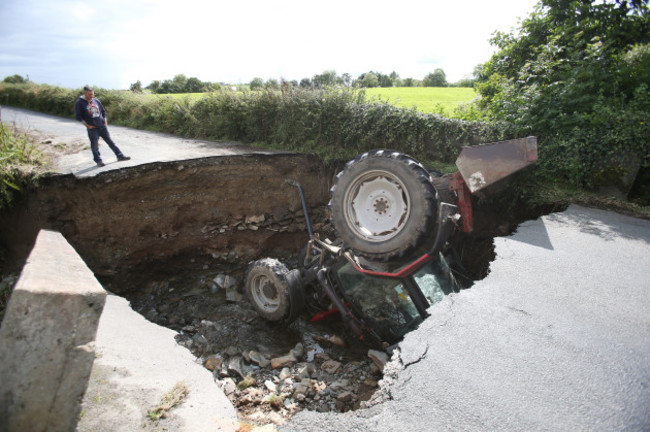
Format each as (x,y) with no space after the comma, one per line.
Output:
(289,222)
(268,371)
(273,389)
(268,387)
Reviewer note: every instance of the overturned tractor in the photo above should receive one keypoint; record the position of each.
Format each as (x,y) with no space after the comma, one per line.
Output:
(391,259)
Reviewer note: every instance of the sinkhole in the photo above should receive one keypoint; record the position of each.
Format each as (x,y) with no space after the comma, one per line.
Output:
(176,238)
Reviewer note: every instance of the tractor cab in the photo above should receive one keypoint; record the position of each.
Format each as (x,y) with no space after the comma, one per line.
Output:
(391,307)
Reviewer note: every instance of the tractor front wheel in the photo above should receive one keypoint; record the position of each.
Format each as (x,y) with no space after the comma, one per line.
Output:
(271,288)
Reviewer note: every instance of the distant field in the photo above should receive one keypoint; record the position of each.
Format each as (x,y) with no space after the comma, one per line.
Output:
(425,99)
(195,96)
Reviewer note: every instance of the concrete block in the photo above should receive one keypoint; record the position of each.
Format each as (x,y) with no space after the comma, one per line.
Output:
(46,339)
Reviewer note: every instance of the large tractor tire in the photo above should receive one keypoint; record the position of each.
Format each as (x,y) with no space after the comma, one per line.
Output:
(383,205)
(273,290)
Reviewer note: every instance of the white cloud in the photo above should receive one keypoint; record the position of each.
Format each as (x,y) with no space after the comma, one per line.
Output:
(116,42)
(82,11)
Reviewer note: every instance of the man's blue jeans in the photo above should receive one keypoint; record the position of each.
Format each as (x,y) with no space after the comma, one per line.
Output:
(94,135)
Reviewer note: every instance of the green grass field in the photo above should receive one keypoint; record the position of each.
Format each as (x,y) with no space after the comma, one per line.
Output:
(425,99)
(194,96)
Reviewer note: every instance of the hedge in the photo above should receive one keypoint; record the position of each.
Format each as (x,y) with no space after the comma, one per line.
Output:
(335,123)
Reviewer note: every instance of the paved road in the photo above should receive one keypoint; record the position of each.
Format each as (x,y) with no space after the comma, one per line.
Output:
(143,147)
(556,338)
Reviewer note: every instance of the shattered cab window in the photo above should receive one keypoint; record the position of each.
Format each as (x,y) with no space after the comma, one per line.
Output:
(436,280)
(384,302)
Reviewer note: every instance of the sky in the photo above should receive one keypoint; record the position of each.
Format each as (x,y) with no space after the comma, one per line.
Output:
(114,43)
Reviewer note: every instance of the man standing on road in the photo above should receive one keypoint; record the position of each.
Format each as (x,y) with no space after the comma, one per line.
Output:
(90,111)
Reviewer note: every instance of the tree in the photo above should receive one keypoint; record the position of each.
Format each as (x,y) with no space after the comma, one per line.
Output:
(181,84)
(465,82)
(567,41)
(178,84)
(346,79)
(256,84)
(368,80)
(384,80)
(437,78)
(15,79)
(194,85)
(409,82)
(136,87)
(396,81)
(211,86)
(326,79)
(175,85)
(154,86)
(272,84)
(577,73)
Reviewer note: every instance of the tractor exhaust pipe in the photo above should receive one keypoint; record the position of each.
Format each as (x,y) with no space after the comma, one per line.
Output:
(304,207)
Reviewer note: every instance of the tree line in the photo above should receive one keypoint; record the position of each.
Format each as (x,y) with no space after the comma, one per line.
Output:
(182,84)
(370,79)
(179,84)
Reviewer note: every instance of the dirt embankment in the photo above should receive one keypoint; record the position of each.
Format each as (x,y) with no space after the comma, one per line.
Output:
(162,217)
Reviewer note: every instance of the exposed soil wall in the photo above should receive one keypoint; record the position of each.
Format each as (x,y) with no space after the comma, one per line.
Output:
(162,216)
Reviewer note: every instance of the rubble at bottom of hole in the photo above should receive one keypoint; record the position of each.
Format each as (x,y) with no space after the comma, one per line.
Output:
(268,372)
(267,388)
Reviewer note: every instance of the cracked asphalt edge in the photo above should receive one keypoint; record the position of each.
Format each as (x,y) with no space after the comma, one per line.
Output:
(410,351)
(412,348)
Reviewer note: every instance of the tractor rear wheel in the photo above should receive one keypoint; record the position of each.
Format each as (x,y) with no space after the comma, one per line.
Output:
(383,205)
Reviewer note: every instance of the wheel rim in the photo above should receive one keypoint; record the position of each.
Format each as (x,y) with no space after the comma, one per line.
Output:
(265,294)
(377,206)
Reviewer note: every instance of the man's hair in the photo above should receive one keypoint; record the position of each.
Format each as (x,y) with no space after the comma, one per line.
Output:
(88,88)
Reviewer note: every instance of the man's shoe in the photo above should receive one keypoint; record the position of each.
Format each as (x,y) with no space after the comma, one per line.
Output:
(100,164)
(123,158)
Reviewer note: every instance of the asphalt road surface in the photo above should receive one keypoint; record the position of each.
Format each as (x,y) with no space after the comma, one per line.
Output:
(556,338)
(73,147)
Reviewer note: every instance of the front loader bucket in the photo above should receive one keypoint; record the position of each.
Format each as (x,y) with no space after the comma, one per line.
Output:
(484,165)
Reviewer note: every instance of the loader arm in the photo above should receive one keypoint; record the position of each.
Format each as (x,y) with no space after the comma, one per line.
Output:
(482,166)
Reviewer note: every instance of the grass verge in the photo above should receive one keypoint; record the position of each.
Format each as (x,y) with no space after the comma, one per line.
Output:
(18,160)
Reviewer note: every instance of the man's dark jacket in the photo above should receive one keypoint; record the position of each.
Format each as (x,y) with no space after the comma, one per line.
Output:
(92,112)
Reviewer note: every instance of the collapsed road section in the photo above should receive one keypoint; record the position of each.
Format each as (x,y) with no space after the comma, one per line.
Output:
(175,238)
